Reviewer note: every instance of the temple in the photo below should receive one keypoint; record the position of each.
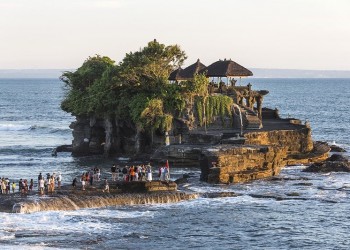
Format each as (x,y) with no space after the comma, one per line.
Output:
(254,143)
(223,76)
(224,130)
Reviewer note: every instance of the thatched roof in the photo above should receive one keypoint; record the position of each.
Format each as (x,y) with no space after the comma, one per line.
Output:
(176,75)
(186,73)
(191,70)
(226,68)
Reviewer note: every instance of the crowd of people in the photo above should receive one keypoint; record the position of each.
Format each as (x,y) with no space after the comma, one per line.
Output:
(25,186)
(5,185)
(48,184)
(52,181)
(133,173)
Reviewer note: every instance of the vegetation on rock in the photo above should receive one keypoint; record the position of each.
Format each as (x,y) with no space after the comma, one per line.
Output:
(137,90)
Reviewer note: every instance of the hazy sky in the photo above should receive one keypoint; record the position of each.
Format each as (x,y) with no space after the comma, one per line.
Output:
(294,34)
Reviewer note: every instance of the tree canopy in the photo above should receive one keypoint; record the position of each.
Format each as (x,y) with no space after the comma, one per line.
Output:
(136,89)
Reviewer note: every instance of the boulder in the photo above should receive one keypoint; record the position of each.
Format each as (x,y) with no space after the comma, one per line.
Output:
(335,163)
(335,148)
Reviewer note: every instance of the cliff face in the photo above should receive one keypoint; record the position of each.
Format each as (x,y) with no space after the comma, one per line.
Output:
(97,136)
(231,164)
(295,141)
(102,136)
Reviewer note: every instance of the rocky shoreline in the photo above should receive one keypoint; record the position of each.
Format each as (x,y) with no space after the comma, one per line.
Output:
(68,198)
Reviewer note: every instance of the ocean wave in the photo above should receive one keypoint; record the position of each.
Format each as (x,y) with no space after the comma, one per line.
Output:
(37,128)
(14,127)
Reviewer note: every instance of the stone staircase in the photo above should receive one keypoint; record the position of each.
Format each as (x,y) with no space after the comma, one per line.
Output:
(251,120)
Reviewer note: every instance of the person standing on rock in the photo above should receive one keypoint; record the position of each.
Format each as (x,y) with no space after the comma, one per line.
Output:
(41,185)
(106,189)
(31,185)
(125,172)
(49,185)
(59,180)
(113,170)
(3,187)
(130,173)
(162,173)
(91,177)
(149,172)
(98,174)
(7,186)
(40,177)
(118,170)
(13,187)
(74,183)
(83,184)
(166,174)
(19,185)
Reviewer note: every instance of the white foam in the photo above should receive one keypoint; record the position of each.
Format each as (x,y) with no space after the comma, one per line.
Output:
(14,127)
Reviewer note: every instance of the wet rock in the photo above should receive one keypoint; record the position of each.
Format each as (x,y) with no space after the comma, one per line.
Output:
(181,180)
(220,194)
(293,194)
(335,148)
(335,163)
(303,184)
(338,157)
(277,197)
(281,178)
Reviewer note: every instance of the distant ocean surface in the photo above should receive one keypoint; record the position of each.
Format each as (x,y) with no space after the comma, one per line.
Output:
(32,124)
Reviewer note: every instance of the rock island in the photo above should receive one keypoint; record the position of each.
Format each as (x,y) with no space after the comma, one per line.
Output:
(198,116)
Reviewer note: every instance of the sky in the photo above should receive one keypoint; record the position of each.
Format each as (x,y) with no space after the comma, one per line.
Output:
(281,34)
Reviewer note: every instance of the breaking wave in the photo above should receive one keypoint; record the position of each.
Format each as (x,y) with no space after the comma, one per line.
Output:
(15,127)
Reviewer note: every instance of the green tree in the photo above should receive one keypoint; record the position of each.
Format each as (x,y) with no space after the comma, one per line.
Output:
(150,67)
(81,90)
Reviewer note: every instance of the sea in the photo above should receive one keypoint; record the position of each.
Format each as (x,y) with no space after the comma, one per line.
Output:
(314,212)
